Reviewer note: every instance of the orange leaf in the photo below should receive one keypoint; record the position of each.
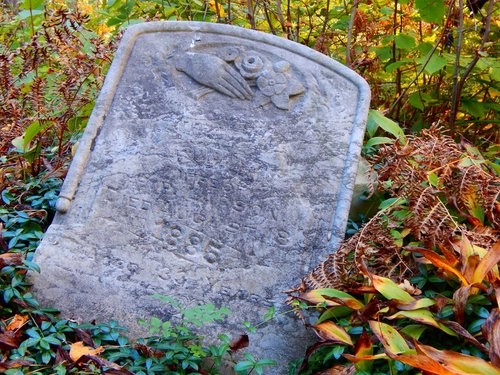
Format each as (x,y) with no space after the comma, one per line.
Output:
(438,261)
(332,332)
(363,348)
(17,322)
(490,260)
(458,363)
(78,350)
(423,362)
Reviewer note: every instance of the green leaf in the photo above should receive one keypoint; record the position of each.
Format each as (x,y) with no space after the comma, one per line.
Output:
(416,101)
(339,297)
(375,141)
(404,41)
(474,108)
(390,202)
(413,330)
(433,179)
(243,365)
(390,338)
(395,65)
(434,65)
(390,290)
(387,124)
(431,10)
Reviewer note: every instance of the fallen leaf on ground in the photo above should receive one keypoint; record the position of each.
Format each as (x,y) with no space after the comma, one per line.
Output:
(78,350)
(17,322)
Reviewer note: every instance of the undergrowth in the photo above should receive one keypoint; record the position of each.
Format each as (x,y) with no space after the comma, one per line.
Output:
(417,288)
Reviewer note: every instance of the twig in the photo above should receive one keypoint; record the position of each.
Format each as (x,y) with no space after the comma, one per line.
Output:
(250,14)
(456,74)
(458,87)
(349,33)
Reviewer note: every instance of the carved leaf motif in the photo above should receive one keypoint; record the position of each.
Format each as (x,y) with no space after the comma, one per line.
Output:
(295,87)
(281,100)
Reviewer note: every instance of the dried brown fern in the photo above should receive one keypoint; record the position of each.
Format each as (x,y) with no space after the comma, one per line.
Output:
(51,77)
(448,191)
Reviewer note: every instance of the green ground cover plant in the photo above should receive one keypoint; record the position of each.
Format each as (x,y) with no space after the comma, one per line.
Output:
(414,290)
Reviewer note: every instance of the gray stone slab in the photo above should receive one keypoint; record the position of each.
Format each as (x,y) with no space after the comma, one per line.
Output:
(217,167)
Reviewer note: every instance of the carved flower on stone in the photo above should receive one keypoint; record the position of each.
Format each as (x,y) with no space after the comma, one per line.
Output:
(229,54)
(249,64)
(277,86)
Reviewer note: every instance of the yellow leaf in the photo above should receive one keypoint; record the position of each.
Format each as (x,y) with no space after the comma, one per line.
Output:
(78,350)
(332,297)
(390,290)
(217,5)
(332,332)
(391,339)
(422,316)
(489,261)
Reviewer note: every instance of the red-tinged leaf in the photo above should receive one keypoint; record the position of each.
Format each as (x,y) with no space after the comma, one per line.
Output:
(363,290)
(469,267)
(390,290)
(363,348)
(11,259)
(449,255)
(339,370)
(464,333)
(239,342)
(458,363)
(358,359)
(148,352)
(390,338)
(439,262)
(329,331)
(490,260)
(85,336)
(460,298)
(491,331)
(10,340)
(17,322)
(332,297)
(63,356)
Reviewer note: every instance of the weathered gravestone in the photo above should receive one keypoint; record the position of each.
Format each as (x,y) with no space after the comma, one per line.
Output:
(217,167)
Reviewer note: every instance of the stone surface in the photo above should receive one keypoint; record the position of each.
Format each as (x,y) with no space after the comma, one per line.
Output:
(217,167)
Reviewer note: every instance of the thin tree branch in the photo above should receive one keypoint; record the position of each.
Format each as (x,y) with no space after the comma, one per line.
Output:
(458,87)
(456,73)
(349,33)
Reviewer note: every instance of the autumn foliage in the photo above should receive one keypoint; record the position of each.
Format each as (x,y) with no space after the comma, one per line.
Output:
(415,290)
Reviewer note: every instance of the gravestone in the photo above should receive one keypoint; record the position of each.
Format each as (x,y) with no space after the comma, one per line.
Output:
(217,167)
